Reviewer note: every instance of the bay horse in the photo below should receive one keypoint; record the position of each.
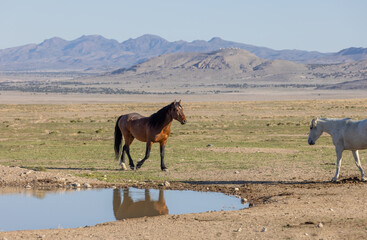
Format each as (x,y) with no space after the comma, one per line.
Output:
(346,134)
(155,128)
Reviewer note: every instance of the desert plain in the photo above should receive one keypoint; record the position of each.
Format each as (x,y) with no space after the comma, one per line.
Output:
(253,145)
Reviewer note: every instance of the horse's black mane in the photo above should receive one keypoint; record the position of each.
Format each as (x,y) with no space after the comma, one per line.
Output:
(158,118)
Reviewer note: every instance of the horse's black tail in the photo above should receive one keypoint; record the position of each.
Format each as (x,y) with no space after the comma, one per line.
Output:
(118,139)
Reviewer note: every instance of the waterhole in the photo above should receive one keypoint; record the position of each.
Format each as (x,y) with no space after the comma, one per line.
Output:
(27,209)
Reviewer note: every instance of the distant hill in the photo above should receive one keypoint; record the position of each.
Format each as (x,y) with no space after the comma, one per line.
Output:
(346,55)
(236,67)
(100,54)
(227,61)
(348,85)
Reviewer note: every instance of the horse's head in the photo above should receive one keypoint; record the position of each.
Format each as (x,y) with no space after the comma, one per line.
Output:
(177,112)
(315,132)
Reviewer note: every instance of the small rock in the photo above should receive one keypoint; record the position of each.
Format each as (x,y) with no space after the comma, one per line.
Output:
(238,230)
(243,200)
(210,145)
(166,184)
(331,209)
(264,229)
(86,185)
(28,186)
(236,172)
(236,189)
(60,179)
(75,185)
(320,225)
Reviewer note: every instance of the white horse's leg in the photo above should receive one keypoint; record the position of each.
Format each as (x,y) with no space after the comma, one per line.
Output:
(358,163)
(339,155)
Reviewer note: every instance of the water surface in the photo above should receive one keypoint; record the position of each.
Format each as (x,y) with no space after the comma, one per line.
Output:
(22,209)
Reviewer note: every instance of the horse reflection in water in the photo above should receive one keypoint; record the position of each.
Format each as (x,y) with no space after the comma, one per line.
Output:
(130,209)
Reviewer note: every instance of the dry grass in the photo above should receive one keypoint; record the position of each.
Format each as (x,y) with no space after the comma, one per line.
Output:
(269,137)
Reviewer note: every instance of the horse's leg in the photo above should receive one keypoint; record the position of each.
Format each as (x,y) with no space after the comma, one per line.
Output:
(128,140)
(358,163)
(116,201)
(147,195)
(131,162)
(161,197)
(147,153)
(122,162)
(162,147)
(339,155)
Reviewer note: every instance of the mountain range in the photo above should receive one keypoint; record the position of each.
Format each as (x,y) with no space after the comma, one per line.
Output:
(236,66)
(227,70)
(96,53)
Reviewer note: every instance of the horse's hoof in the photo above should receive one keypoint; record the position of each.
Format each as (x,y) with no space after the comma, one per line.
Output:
(334,180)
(364,179)
(165,169)
(138,165)
(123,166)
(133,167)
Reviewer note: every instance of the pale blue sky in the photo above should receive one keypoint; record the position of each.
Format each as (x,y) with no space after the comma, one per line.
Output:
(320,25)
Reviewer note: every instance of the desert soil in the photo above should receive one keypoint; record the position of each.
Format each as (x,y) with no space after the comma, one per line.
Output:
(284,205)
(267,94)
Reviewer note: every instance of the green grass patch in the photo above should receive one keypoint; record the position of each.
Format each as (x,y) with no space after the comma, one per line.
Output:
(242,135)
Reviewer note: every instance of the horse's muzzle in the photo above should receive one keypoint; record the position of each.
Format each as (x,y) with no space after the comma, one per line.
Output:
(311,142)
(183,122)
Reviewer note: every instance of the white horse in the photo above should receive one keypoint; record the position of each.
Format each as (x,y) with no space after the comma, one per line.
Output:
(347,134)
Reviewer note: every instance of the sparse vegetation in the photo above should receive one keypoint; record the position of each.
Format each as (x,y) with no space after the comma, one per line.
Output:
(241,135)
(40,169)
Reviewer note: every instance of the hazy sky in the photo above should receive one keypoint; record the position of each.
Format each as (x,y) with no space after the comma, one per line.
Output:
(320,25)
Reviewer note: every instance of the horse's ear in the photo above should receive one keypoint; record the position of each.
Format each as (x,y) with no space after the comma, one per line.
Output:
(314,122)
(179,102)
(174,102)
